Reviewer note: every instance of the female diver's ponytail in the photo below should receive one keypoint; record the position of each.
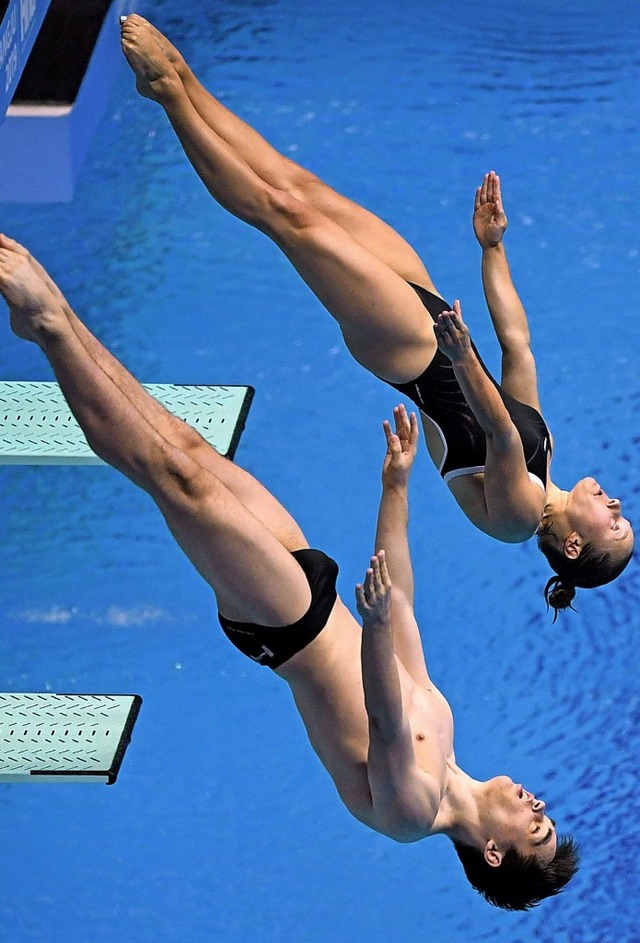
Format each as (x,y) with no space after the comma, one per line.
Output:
(590,569)
(559,595)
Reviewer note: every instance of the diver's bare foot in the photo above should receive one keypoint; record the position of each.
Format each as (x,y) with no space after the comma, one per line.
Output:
(7,243)
(156,78)
(34,310)
(174,55)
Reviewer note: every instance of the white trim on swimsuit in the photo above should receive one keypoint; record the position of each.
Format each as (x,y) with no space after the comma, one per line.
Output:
(472,469)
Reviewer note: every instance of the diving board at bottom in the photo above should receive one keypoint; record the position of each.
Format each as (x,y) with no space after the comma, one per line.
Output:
(38,428)
(65,737)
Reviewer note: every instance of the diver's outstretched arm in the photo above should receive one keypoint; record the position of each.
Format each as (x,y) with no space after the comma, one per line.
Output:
(392,537)
(505,307)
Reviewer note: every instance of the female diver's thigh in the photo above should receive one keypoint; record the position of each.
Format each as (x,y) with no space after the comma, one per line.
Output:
(383,321)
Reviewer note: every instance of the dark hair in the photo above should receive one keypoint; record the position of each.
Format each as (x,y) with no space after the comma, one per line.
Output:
(590,569)
(519,882)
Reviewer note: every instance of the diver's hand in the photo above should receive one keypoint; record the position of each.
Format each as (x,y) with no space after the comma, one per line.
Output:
(373,597)
(489,219)
(401,448)
(453,335)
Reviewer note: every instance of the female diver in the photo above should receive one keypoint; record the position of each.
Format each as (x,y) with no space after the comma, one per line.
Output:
(488,441)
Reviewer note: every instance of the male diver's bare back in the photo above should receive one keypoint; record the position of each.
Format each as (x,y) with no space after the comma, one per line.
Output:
(326,681)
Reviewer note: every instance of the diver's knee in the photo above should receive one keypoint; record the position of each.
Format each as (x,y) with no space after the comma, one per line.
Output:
(286,214)
(304,185)
(174,476)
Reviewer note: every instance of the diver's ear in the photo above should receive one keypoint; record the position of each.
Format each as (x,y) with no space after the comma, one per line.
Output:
(492,856)
(573,545)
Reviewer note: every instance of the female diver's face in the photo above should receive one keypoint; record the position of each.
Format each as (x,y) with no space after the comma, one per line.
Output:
(598,518)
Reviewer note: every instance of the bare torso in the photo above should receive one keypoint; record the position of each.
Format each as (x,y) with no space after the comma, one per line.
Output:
(326,682)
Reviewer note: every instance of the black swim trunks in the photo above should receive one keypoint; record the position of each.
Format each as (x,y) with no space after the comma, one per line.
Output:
(438,395)
(273,646)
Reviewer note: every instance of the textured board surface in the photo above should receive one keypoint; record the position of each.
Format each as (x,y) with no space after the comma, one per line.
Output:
(70,737)
(37,427)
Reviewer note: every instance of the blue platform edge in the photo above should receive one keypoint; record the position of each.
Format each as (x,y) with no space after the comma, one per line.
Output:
(43,147)
(19,28)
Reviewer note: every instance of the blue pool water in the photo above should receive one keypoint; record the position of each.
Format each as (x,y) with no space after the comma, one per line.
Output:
(223,826)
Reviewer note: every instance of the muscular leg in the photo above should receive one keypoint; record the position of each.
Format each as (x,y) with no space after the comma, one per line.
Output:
(253,575)
(284,174)
(382,320)
(243,485)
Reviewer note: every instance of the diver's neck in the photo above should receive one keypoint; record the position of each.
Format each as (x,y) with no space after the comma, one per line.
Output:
(459,814)
(555,501)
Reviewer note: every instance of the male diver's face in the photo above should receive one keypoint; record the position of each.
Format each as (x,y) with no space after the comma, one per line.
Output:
(598,518)
(515,818)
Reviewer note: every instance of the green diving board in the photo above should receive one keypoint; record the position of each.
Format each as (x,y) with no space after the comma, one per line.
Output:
(38,428)
(65,737)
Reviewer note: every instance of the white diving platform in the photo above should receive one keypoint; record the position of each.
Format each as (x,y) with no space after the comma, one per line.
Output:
(65,737)
(38,428)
